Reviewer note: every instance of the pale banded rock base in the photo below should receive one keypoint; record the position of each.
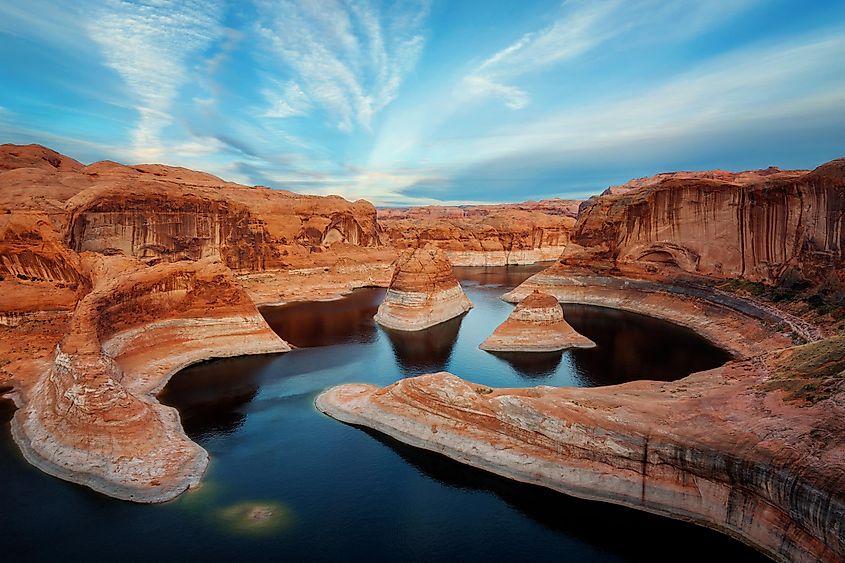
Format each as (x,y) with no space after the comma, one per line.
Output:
(411,310)
(536,325)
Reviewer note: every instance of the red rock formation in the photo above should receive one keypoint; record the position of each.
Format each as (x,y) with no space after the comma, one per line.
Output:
(726,448)
(91,417)
(485,235)
(422,293)
(535,325)
(757,227)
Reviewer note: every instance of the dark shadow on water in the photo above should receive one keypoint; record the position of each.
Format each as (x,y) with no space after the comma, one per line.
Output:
(424,351)
(532,365)
(211,396)
(618,530)
(323,323)
(632,346)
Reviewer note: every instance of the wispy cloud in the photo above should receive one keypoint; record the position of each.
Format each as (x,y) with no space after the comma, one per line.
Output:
(756,89)
(149,45)
(582,26)
(349,59)
(285,99)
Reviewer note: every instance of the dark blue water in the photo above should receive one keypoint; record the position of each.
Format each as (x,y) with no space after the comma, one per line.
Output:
(339,493)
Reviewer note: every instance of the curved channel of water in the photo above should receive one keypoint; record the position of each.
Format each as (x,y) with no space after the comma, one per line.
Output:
(287,483)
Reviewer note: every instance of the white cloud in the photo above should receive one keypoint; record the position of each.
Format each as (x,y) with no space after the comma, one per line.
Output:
(762,83)
(285,99)
(149,44)
(348,59)
(583,25)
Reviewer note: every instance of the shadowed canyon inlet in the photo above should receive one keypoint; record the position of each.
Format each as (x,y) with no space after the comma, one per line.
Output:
(337,493)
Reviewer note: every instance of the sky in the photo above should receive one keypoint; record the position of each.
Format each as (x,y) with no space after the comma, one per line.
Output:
(428,101)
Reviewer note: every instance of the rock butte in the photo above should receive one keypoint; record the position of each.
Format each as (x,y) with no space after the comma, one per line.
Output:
(423,292)
(535,325)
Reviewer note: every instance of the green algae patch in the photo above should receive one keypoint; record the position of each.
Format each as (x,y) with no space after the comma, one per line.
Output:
(256,517)
(200,497)
(812,372)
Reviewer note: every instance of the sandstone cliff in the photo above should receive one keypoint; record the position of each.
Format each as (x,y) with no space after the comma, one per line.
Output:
(728,449)
(91,416)
(485,235)
(422,293)
(755,226)
(535,325)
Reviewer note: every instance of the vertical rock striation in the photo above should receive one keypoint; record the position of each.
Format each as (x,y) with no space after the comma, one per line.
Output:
(755,227)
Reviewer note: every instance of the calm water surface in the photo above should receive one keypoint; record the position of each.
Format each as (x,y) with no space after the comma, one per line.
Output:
(339,493)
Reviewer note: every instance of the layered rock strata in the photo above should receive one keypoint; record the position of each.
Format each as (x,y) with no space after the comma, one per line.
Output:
(754,226)
(535,325)
(423,292)
(92,418)
(729,449)
(485,235)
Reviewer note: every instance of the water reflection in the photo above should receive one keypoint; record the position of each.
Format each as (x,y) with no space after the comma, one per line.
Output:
(532,365)
(211,395)
(323,323)
(631,346)
(425,351)
(587,521)
(509,277)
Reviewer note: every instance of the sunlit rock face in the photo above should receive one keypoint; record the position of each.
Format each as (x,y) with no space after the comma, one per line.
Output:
(166,213)
(423,292)
(535,325)
(485,235)
(92,418)
(748,449)
(755,225)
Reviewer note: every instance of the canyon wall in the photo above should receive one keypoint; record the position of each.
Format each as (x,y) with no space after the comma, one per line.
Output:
(485,235)
(173,214)
(755,226)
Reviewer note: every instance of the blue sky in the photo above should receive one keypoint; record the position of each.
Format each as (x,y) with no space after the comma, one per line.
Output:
(416,101)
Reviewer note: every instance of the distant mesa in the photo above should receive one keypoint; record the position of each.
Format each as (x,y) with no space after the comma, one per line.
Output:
(423,292)
(536,325)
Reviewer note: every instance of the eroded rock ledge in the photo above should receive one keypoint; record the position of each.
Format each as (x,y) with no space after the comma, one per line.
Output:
(722,448)
(739,325)
(92,418)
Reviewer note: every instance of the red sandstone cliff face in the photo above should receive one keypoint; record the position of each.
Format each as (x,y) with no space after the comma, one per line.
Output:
(250,229)
(519,233)
(756,228)
(156,212)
